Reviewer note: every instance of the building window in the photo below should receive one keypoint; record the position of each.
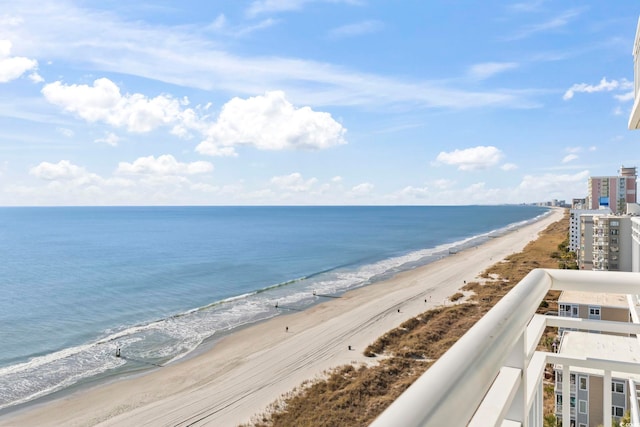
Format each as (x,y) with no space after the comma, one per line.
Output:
(594,311)
(582,406)
(617,387)
(617,411)
(583,383)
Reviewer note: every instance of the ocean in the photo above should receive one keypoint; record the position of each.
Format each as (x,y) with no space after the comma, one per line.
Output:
(78,283)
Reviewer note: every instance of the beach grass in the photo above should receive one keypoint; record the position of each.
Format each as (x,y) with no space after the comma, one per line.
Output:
(356,394)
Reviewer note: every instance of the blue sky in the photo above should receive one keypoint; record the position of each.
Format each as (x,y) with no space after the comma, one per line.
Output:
(312,101)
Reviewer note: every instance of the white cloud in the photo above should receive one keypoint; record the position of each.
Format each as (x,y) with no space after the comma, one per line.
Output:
(509,167)
(174,55)
(356,29)
(573,154)
(270,122)
(415,192)
(560,21)
(165,165)
(218,24)
(475,158)
(12,67)
(489,69)
(110,139)
(362,189)
(146,181)
(293,182)
(36,78)
(221,26)
(629,96)
(270,6)
(529,6)
(443,184)
(66,132)
(549,184)
(603,86)
(63,170)
(103,102)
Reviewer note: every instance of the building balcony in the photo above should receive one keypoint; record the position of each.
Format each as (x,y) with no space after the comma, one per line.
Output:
(493,375)
(634,117)
(559,411)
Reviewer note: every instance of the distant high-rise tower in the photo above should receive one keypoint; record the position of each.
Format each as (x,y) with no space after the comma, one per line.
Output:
(613,192)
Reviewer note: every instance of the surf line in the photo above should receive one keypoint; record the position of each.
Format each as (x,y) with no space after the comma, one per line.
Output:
(315,294)
(287,308)
(119,355)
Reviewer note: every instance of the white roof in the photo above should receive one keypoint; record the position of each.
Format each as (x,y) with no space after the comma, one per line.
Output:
(601,346)
(594,298)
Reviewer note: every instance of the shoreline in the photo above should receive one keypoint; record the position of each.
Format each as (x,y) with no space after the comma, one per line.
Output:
(244,372)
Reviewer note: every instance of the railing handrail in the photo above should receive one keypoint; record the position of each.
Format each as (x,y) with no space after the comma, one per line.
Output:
(453,388)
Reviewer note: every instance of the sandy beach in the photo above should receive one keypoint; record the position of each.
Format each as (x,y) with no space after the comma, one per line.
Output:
(243,373)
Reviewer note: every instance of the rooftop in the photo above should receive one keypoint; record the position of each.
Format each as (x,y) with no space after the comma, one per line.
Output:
(594,298)
(601,346)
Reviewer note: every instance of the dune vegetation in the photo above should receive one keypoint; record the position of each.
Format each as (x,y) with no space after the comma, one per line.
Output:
(355,395)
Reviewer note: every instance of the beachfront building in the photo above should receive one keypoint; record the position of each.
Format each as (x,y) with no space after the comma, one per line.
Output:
(579,203)
(605,243)
(634,118)
(635,244)
(613,192)
(586,384)
(585,397)
(594,306)
(574,225)
(611,243)
(585,253)
(502,384)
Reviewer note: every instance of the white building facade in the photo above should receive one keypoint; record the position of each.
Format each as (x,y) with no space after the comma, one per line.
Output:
(574,225)
(611,243)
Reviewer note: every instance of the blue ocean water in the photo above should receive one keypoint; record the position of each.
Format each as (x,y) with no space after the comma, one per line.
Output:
(76,283)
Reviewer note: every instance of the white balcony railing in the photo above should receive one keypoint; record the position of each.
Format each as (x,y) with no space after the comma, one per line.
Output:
(493,375)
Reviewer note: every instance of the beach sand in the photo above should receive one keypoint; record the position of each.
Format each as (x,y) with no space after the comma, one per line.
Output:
(246,371)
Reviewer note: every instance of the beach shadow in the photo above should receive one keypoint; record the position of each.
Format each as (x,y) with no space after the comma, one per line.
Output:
(140,361)
(325,295)
(288,308)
